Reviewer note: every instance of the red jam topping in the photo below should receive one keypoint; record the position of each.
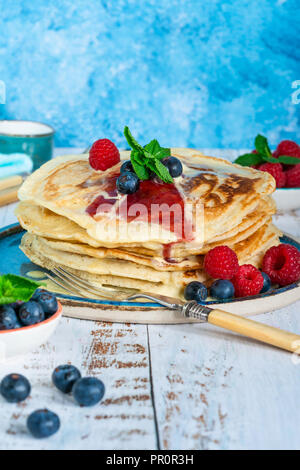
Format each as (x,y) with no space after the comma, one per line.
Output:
(159,203)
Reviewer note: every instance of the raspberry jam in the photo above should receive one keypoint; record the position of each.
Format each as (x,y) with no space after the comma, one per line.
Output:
(160,203)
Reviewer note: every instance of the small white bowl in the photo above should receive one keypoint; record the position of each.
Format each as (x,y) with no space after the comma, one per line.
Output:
(14,343)
(287,199)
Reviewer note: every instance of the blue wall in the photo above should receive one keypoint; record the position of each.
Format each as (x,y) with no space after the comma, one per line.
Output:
(200,73)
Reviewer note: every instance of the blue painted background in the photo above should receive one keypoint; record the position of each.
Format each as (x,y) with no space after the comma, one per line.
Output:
(197,73)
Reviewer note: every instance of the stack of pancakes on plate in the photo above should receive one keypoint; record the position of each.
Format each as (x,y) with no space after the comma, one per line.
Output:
(155,239)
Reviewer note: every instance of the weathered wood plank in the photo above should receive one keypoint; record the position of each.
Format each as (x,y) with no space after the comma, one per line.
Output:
(118,355)
(216,390)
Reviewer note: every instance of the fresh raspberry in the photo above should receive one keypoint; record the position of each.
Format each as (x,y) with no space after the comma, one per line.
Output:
(247,281)
(287,147)
(275,169)
(282,264)
(103,155)
(221,263)
(293,177)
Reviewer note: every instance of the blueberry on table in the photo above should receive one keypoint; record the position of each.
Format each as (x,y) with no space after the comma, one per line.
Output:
(15,388)
(31,313)
(47,300)
(222,289)
(8,317)
(126,166)
(267,283)
(65,376)
(128,183)
(174,166)
(195,291)
(43,423)
(88,391)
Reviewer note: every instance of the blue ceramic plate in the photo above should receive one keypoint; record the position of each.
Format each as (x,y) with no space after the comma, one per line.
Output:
(12,260)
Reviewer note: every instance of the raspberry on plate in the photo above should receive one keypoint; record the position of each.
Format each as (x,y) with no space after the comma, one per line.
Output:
(275,169)
(282,264)
(287,147)
(103,155)
(221,262)
(293,177)
(248,281)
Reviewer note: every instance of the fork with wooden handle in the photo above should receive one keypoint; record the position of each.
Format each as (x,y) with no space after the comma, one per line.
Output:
(252,329)
(9,189)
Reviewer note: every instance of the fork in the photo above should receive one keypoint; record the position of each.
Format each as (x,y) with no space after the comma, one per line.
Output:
(192,309)
(75,285)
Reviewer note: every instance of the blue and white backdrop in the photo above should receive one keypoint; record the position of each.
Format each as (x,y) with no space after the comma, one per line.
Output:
(200,73)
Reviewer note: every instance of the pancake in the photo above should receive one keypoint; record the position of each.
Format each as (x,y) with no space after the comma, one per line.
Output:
(126,275)
(110,272)
(68,187)
(41,221)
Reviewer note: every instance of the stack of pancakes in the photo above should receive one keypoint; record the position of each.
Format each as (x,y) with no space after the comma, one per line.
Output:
(154,240)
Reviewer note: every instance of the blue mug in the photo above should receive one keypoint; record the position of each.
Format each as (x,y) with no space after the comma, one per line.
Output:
(32,138)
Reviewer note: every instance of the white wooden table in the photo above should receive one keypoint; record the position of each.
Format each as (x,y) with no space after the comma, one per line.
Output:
(167,387)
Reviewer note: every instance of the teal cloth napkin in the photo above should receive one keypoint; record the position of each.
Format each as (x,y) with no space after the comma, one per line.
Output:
(14,164)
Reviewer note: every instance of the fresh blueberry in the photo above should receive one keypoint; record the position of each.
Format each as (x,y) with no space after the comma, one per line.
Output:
(222,289)
(8,317)
(195,291)
(65,376)
(31,313)
(126,166)
(18,325)
(88,391)
(43,423)
(15,388)
(174,166)
(47,300)
(128,183)
(267,282)
(16,305)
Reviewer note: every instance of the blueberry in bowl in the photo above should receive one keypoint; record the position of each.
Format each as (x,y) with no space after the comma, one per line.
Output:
(8,317)
(31,313)
(47,301)
(26,325)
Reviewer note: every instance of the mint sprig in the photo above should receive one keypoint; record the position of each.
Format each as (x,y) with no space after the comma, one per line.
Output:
(14,288)
(263,155)
(147,159)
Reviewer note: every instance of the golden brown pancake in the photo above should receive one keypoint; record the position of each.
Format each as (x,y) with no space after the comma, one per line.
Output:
(69,187)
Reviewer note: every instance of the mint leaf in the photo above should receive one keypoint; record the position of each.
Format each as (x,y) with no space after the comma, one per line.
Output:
(163,153)
(13,288)
(163,172)
(153,147)
(156,150)
(286,159)
(262,146)
(131,141)
(249,159)
(140,170)
(148,158)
